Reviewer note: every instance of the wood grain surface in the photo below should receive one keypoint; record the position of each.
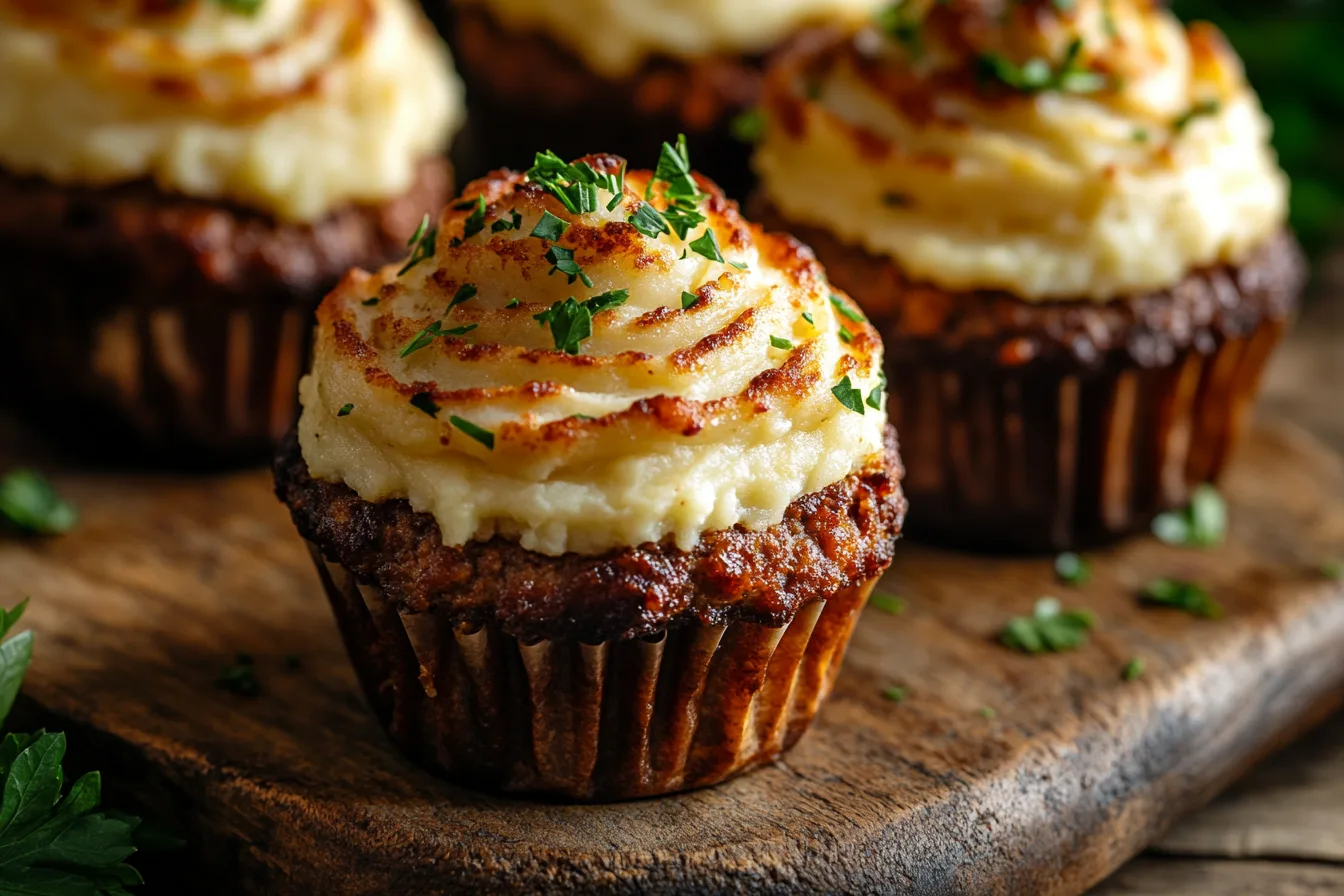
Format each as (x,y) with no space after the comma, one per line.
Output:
(297,791)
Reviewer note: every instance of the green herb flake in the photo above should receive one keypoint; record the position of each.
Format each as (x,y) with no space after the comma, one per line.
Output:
(648,221)
(780,342)
(1037,75)
(849,396)
(475,222)
(1133,670)
(424,401)
(1049,628)
(1202,109)
(688,299)
(896,200)
(707,244)
(807,316)
(562,260)
(887,603)
(370,301)
(571,322)
(513,303)
(345,410)
(1333,570)
(465,292)
(1140,135)
(242,7)
(845,335)
(1184,596)
(1072,569)
(1202,524)
(894,694)
(843,309)
(900,22)
(874,399)
(513,222)
(471,430)
(987,712)
(30,504)
(748,126)
(612,298)
(422,243)
(549,227)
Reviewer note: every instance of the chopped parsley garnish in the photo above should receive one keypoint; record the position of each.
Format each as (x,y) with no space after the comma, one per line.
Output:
(846,311)
(1072,569)
(475,222)
(987,712)
(423,241)
(1184,596)
(845,335)
(899,22)
(874,399)
(549,227)
(707,244)
(1133,670)
(1333,570)
(894,694)
(780,342)
(848,395)
(674,169)
(688,299)
(244,7)
(1203,524)
(1202,109)
(1037,75)
(562,260)
(748,126)
(432,332)
(345,410)
(424,401)
(648,221)
(239,678)
(683,216)
(807,316)
(574,185)
(465,292)
(513,222)
(29,503)
(1048,628)
(1139,135)
(887,603)
(571,322)
(514,303)
(370,301)
(471,430)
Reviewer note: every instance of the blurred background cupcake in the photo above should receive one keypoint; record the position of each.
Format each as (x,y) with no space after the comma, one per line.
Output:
(578,76)
(598,482)
(1068,224)
(180,183)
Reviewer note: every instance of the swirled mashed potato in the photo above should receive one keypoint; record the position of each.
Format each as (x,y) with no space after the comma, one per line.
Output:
(615,37)
(1087,154)
(293,109)
(673,414)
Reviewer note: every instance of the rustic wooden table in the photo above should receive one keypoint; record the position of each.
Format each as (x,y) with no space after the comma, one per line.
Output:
(1280,832)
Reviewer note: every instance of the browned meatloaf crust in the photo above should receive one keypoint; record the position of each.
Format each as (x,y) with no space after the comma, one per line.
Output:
(533,94)
(922,323)
(828,540)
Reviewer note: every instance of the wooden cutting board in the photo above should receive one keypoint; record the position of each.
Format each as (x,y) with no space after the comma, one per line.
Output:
(1067,771)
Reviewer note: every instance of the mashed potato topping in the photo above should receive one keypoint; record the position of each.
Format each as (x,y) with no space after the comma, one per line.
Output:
(588,379)
(293,108)
(1090,153)
(615,37)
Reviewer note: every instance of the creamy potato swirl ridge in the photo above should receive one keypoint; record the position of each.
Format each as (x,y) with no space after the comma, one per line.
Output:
(678,415)
(615,37)
(1091,152)
(293,109)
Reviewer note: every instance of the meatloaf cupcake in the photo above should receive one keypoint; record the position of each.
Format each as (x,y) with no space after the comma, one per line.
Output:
(583,75)
(181,183)
(597,481)
(1068,224)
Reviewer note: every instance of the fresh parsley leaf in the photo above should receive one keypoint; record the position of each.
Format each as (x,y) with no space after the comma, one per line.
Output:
(1133,670)
(612,298)
(465,292)
(1202,109)
(423,338)
(807,316)
(29,503)
(514,303)
(570,324)
(513,222)
(1139,135)
(345,410)
(894,694)
(848,395)
(780,342)
(475,221)
(901,23)
(688,299)
(1184,596)
(748,126)
(549,227)
(562,260)
(887,603)
(424,401)
(707,244)
(987,712)
(843,309)
(370,301)
(422,243)
(1072,569)
(1037,75)
(1202,524)
(674,169)
(845,335)
(648,221)
(484,436)
(874,399)
(239,678)
(1048,628)
(574,185)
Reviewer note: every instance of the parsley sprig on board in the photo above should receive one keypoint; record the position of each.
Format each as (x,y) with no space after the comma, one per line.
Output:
(1049,628)
(53,839)
(29,503)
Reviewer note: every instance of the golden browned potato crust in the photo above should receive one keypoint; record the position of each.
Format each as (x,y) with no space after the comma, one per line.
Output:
(828,540)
